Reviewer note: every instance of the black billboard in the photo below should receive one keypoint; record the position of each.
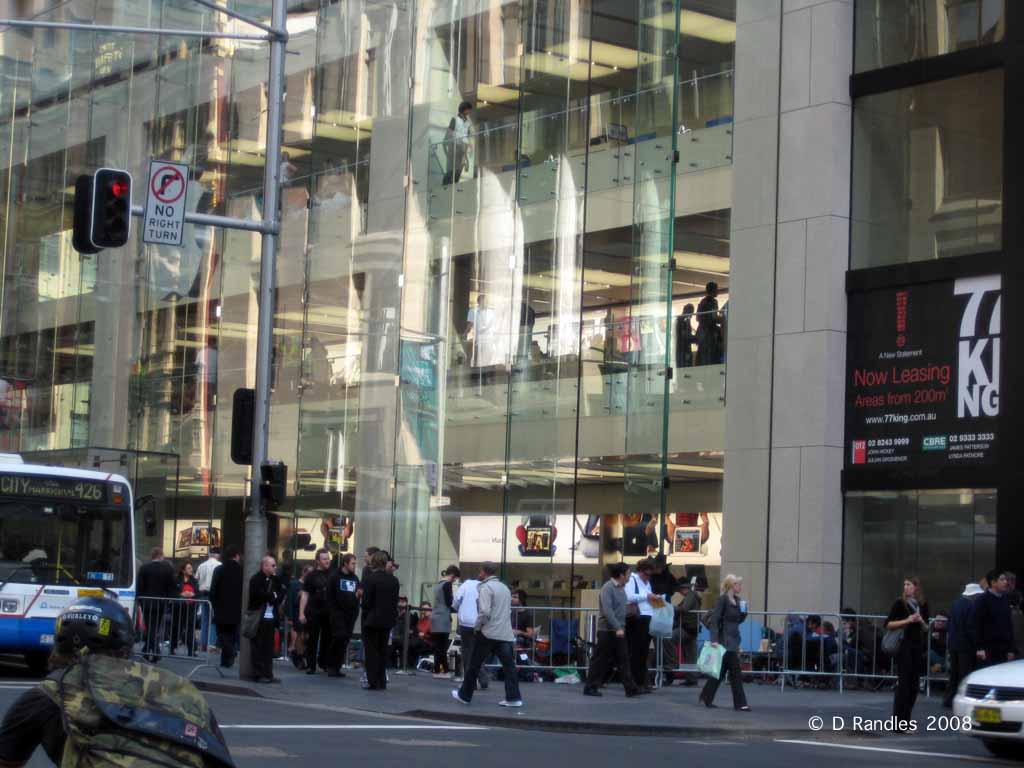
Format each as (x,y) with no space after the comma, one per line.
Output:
(922,386)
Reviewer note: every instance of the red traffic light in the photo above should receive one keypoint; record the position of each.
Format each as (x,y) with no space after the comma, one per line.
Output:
(119,188)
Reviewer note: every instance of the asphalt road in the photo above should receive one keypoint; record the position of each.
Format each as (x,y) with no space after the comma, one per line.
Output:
(268,733)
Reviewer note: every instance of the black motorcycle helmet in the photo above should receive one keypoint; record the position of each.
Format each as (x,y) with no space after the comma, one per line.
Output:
(96,623)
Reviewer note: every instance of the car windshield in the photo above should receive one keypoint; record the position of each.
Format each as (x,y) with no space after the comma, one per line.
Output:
(58,542)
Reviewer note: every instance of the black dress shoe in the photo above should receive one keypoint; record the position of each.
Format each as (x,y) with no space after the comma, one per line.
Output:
(592,692)
(335,673)
(635,692)
(311,671)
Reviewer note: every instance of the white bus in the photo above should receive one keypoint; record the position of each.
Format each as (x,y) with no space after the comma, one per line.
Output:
(64,534)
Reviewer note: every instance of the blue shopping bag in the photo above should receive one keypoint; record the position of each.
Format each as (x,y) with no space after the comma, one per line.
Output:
(710,661)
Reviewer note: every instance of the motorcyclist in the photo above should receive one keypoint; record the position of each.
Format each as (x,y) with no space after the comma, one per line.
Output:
(100,707)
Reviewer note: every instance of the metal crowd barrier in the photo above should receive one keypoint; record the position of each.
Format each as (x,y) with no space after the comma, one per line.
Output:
(166,625)
(776,647)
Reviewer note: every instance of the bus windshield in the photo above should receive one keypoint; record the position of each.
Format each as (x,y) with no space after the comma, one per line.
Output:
(60,542)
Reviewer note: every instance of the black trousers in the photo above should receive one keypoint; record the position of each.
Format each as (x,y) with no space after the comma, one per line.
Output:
(339,649)
(153,616)
(467,642)
(731,667)
(263,649)
(909,665)
(610,650)
(440,643)
(375,653)
(638,638)
(318,641)
(183,627)
(483,649)
(961,664)
(227,636)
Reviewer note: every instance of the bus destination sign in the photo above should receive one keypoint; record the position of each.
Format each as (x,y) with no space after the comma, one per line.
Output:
(54,488)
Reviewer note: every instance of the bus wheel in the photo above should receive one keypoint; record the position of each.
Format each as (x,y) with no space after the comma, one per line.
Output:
(37,662)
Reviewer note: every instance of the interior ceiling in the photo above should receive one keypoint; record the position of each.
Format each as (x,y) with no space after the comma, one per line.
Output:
(680,467)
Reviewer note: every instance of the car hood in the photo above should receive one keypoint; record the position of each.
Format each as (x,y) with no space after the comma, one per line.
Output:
(1010,674)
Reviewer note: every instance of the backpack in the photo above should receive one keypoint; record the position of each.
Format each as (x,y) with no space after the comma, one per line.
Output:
(123,713)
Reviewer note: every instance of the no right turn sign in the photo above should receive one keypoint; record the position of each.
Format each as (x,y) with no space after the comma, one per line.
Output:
(164,222)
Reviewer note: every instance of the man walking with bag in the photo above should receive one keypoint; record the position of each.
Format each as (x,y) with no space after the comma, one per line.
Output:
(611,634)
(494,636)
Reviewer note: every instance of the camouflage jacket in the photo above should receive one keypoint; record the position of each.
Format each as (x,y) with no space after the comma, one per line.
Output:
(119,712)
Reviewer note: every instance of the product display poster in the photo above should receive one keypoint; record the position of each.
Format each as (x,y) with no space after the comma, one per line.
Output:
(922,388)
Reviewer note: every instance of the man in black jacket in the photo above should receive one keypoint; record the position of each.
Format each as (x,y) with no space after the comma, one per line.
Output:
(343,606)
(157,582)
(380,612)
(993,625)
(266,593)
(314,613)
(226,599)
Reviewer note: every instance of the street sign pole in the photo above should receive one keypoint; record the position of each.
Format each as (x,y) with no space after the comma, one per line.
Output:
(256,519)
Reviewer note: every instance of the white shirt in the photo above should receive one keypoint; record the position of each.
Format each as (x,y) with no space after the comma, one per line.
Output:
(637,591)
(465,603)
(204,573)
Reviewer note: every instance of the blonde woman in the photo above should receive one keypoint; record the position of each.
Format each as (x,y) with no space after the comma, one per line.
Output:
(724,625)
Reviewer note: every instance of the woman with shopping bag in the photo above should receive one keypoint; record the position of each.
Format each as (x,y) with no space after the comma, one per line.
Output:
(724,626)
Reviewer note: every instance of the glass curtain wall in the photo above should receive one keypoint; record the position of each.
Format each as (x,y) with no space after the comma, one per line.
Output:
(492,338)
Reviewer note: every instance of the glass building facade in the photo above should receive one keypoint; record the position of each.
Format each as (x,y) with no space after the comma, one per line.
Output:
(493,334)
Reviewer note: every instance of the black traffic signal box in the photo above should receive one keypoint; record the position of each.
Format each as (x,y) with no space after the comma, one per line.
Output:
(103,210)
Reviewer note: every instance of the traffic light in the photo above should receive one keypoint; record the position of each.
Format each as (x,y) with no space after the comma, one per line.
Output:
(273,488)
(111,208)
(103,210)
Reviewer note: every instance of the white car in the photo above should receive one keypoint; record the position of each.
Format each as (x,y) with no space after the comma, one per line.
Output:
(994,700)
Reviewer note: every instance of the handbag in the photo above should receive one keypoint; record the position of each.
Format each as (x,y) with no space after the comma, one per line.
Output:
(251,623)
(710,660)
(891,641)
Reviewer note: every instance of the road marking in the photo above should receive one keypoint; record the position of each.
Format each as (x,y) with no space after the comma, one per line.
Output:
(16,686)
(265,752)
(354,727)
(917,752)
(430,743)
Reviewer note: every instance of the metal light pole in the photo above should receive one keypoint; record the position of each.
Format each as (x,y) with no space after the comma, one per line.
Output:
(256,519)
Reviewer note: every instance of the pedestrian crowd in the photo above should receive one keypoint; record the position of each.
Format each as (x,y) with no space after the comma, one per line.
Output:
(476,623)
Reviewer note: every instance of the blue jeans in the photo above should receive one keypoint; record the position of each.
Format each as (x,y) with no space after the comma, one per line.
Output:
(205,625)
(483,649)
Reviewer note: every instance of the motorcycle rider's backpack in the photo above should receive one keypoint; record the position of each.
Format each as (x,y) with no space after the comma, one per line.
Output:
(123,713)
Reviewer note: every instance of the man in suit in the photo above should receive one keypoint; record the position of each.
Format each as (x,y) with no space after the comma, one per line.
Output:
(226,599)
(380,613)
(157,583)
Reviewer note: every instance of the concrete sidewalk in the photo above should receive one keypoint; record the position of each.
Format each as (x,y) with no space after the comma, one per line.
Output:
(673,710)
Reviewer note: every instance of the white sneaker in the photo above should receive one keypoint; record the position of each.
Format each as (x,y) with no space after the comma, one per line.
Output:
(516,703)
(442,676)
(455,695)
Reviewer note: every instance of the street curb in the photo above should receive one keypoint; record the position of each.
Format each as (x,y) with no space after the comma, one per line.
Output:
(603,728)
(227,688)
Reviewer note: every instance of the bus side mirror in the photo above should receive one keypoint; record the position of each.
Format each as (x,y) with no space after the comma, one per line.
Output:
(147,506)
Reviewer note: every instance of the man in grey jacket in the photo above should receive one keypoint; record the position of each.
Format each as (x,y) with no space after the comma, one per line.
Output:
(494,637)
(611,635)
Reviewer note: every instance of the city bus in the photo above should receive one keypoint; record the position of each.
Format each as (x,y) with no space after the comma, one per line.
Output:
(64,534)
